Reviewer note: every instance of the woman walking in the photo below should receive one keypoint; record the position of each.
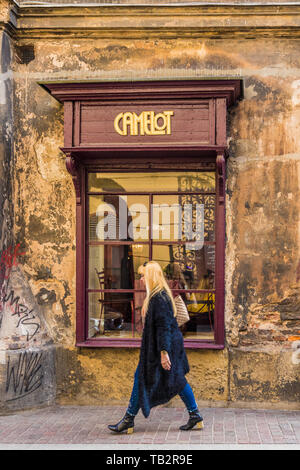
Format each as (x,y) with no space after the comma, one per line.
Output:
(160,374)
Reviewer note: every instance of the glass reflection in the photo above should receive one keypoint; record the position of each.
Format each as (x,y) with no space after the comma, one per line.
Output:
(201,308)
(189,181)
(186,268)
(118,218)
(110,314)
(115,315)
(115,266)
(183,217)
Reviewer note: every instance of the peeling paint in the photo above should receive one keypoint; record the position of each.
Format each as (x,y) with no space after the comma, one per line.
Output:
(262,207)
(3,77)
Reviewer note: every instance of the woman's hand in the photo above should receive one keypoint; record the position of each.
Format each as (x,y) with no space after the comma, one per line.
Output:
(165,360)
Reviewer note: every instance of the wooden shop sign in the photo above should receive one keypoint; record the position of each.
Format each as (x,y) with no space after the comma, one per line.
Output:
(150,115)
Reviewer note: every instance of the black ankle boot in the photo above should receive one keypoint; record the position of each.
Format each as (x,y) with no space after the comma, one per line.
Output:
(195,419)
(126,424)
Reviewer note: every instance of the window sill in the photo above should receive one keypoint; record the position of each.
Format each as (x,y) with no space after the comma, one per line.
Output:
(136,343)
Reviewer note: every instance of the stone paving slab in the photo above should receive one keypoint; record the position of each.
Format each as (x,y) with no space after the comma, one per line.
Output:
(87,425)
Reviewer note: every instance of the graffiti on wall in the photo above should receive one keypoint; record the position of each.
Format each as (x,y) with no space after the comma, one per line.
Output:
(8,260)
(25,317)
(24,376)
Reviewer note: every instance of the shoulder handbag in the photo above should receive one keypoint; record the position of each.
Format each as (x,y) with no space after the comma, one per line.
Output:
(182,312)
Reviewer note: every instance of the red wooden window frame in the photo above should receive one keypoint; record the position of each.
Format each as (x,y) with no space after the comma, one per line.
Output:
(83,158)
(113,163)
(132,342)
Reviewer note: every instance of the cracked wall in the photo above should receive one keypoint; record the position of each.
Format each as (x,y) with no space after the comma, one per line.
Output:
(27,359)
(262,210)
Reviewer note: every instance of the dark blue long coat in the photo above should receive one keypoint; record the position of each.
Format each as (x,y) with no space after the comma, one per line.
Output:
(161,332)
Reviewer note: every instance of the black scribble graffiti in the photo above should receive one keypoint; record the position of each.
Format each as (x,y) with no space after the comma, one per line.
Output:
(8,259)
(21,310)
(13,300)
(25,376)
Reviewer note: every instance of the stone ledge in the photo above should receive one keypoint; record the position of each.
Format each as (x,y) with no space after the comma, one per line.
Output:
(145,21)
(162,32)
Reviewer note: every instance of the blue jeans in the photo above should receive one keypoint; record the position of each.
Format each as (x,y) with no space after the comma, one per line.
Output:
(186,395)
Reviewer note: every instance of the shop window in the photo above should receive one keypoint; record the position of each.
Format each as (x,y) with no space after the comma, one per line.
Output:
(134,217)
(148,163)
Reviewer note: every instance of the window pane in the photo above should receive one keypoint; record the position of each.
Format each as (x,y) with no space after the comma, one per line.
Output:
(115,266)
(115,315)
(152,182)
(201,308)
(187,268)
(115,218)
(183,217)
(119,315)
(110,314)
(191,269)
(118,218)
(139,298)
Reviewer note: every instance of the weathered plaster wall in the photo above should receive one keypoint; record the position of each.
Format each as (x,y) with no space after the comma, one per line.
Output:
(263,249)
(6,143)
(27,359)
(106,376)
(263,230)
(148,2)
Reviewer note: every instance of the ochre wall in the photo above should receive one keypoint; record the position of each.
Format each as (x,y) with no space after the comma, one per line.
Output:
(262,312)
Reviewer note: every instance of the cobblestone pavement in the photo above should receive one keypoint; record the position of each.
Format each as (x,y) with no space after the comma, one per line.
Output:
(88,425)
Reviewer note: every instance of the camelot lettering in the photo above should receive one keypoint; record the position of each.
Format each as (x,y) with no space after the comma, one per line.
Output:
(147,123)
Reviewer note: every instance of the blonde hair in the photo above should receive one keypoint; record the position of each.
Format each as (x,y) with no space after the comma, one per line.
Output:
(155,283)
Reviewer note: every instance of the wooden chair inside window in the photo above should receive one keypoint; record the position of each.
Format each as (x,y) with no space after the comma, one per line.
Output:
(108,307)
